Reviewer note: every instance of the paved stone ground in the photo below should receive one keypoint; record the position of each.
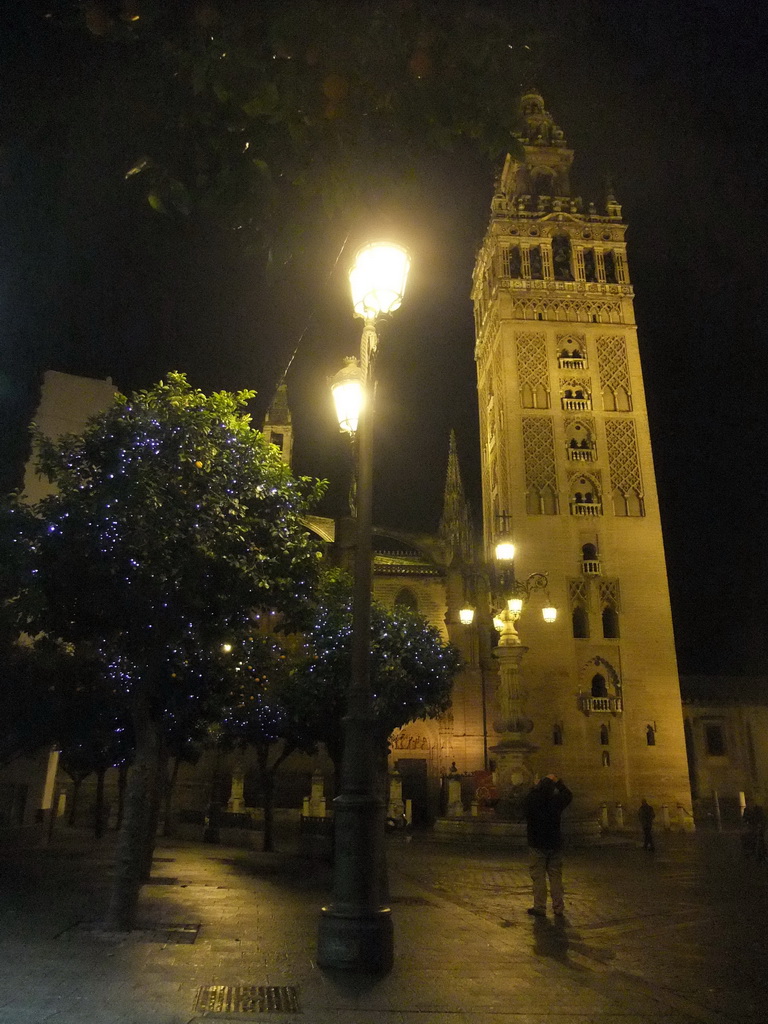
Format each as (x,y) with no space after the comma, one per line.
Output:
(676,937)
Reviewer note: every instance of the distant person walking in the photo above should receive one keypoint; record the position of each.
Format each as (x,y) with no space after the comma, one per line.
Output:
(543,806)
(646,814)
(753,830)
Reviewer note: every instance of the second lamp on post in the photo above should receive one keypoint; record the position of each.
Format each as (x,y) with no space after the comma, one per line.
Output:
(356,928)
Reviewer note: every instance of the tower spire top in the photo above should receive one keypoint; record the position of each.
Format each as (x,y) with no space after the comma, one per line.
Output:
(537,126)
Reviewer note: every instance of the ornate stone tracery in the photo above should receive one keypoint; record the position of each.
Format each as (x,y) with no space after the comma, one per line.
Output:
(532,370)
(539,458)
(613,369)
(624,467)
(564,309)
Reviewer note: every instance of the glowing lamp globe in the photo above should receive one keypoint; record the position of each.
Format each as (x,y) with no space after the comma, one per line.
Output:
(466,616)
(505,551)
(549,613)
(498,625)
(377,280)
(348,394)
(515,605)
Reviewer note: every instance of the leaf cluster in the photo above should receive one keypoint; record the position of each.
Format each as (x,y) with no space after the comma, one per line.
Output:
(171,516)
(258,114)
(411,668)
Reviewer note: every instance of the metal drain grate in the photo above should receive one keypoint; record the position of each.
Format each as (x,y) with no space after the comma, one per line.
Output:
(248,999)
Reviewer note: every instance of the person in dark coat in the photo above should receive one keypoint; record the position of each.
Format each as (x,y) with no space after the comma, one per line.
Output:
(542,807)
(753,830)
(646,814)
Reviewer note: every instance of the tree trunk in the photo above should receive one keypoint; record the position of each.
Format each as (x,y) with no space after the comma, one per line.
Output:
(76,784)
(155,803)
(170,785)
(98,811)
(122,779)
(132,843)
(267,785)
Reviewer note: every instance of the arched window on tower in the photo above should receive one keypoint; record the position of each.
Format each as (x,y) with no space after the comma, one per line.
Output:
(650,736)
(604,737)
(590,270)
(610,623)
(610,267)
(561,258)
(406,601)
(580,621)
(537,266)
(557,734)
(599,686)
(515,262)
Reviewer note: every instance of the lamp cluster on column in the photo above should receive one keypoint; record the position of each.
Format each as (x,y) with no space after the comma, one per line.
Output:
(511,595)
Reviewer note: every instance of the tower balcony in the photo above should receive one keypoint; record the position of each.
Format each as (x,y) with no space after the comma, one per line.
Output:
(591,567)
(579,287)
(603,705)
(576,404)
(581,454)
(572,362)
(586,508)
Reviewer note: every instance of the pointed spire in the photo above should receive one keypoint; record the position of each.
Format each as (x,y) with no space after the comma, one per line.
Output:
(456,522)
(278,426)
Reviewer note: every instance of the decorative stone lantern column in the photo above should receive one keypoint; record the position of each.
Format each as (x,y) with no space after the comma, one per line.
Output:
(513,773)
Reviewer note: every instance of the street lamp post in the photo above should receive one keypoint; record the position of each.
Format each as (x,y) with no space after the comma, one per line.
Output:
(356,930)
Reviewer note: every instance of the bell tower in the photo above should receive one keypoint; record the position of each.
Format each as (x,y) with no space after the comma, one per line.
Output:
(567,469)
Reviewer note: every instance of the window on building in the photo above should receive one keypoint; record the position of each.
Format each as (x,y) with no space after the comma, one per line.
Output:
(561,258)
(590,272)
(277,439)
(610,623)
(606,759)
(604,739)
(580,621)
(599,687)
(610,267)
(714,737)
(537,266)
(650,736)
(557,734)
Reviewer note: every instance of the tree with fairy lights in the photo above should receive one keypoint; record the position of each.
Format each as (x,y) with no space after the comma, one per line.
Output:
(255,712)
(412,669)
(171,516)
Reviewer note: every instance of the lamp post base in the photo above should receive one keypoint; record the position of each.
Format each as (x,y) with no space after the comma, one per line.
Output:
(356,942)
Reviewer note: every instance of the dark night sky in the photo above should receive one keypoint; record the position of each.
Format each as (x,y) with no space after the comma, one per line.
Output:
(666,97)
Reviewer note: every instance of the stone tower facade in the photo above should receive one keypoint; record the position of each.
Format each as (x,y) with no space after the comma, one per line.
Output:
(567,470)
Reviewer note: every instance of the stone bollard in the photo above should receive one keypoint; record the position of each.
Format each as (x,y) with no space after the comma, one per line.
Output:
(604,820)
(455,805)
(236,802)
(619,816)
(665,817)
(315,806)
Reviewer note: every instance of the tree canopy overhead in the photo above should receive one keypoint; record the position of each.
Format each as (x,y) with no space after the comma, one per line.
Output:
(263,116)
